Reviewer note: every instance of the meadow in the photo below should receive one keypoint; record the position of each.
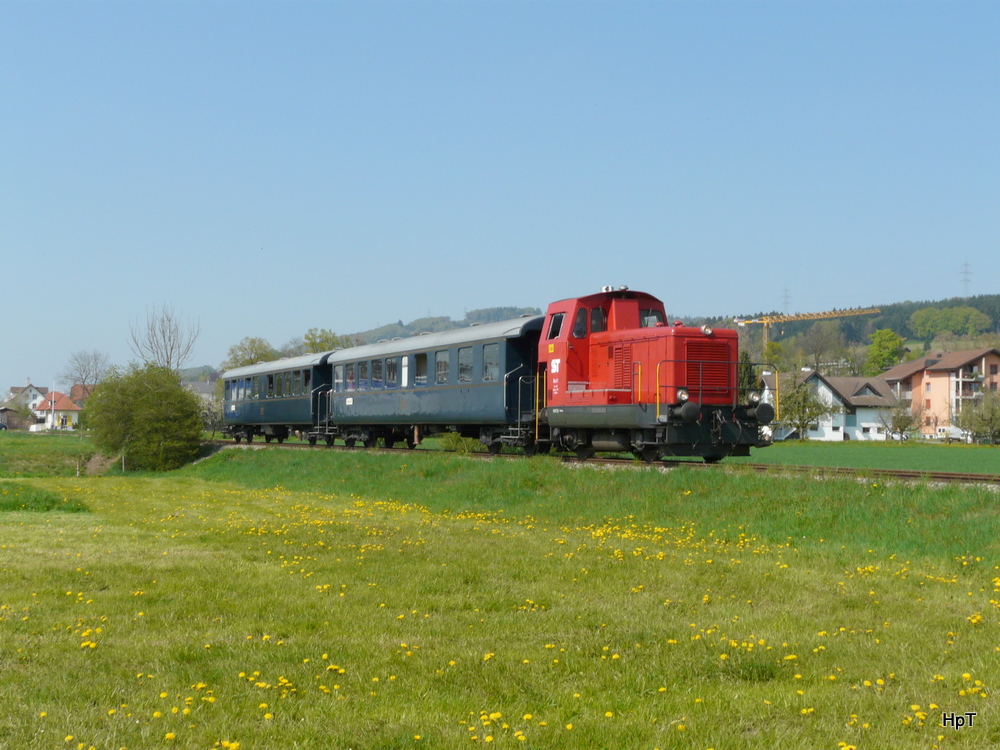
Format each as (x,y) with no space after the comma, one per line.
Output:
(264,599)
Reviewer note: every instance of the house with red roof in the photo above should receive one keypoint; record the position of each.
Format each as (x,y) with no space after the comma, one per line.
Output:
(57,412)
(939,386)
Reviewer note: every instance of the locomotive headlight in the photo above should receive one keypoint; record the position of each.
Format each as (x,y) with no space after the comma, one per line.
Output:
(754,397)
(682,395)
(707,330)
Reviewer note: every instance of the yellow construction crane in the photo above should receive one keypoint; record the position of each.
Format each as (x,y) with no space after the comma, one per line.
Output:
(768,320)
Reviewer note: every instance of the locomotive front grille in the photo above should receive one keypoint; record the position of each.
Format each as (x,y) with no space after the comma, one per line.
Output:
(708,368)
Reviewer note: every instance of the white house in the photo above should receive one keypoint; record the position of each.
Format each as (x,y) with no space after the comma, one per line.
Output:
(860,405)
(57,412)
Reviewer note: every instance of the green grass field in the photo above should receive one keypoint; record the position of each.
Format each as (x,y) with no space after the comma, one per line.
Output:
(266,599)
(923,456)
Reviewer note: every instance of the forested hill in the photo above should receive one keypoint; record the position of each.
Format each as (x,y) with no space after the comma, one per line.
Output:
(444,323)
(898,316)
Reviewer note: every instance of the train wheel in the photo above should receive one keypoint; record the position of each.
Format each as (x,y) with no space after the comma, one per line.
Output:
(584,453)
(237,438)
(312,440)
(371,442)
(650,454)
(281,439)
(250,438)
(329,442)
(495,447)
(410,443)
(349,442)
(531,449)
(267,438)
(389,442)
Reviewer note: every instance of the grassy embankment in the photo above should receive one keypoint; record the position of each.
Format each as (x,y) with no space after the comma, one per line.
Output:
(318,599)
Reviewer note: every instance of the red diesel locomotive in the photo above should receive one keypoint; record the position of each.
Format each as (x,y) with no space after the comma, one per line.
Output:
(614,375)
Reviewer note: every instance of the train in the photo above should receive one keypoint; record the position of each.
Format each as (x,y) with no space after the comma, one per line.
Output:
(605,372)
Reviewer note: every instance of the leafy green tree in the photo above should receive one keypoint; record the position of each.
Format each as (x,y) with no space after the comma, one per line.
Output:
(249,351)
(885,351)
(323,340)
(982,417)
(146,415)
(746,375)
(801,407)
(930,321)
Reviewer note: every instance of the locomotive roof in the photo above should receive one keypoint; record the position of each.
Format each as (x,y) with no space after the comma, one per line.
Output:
(504,329)
(456,336)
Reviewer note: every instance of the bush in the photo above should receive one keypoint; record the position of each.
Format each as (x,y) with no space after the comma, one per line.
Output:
(147,415)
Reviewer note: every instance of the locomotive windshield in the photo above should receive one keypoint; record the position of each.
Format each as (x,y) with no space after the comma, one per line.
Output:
(651,318)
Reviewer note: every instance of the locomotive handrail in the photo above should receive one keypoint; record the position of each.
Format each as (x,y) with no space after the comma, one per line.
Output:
(505,377)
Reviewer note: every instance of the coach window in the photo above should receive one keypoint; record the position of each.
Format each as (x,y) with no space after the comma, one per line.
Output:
(279,385)
(297,383)
(256,386)
(555,326)
(465,364)
(288,383)
(391,372)
(376,373)
(598,320)
(338,378)
(420,369)
(362,376)
(229,390)
(270,386)
(580,325)
(491,363)
(306,380)
(349,376)
(441,367)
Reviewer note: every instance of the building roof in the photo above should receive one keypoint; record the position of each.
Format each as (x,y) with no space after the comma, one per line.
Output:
(941,362)
(57,401)
(871,392)
(16,389)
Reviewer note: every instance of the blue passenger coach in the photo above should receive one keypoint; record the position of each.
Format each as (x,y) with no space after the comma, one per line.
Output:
(477,381)
(274,399)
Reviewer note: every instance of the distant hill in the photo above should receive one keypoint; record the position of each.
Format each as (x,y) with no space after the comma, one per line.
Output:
(400,329)
(895,316)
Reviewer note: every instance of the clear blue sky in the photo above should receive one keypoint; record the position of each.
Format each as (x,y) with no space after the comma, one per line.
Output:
(268,167)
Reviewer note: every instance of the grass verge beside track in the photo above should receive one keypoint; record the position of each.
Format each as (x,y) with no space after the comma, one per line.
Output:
(349,599)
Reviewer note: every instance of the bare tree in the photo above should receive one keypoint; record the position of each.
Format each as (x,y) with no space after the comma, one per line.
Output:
(86,369)
(163,340)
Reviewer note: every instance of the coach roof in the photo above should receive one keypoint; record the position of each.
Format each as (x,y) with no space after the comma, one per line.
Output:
(504,329)
(306,361)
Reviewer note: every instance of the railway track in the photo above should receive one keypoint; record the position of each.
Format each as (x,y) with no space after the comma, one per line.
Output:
(911,475)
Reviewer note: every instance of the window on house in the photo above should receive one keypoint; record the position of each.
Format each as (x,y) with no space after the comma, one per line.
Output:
(927,387)
(994,369)
(465,364)
(836,428)
(441,367)
(866,430)
(927,404)
(491,363)
(993,386)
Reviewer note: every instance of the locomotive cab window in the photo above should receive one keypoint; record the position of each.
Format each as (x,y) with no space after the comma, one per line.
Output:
(441,367)
(465,364)
(650,318)
(555,325)
(491,363)
(580,324)
(598,320)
